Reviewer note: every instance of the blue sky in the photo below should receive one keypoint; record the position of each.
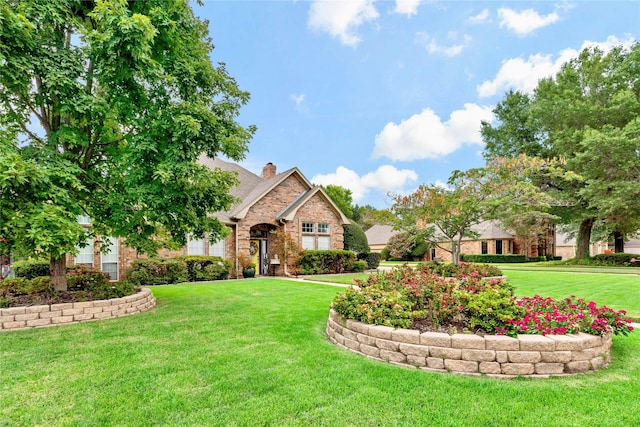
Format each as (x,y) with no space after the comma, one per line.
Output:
(382,96)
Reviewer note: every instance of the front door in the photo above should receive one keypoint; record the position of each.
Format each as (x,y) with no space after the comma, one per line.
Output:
(254,251)
(259,255)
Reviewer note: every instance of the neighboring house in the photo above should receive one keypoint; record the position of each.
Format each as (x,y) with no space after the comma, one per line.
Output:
(378,236)
(566,246)
(492,239)
(631,246)
(284,201)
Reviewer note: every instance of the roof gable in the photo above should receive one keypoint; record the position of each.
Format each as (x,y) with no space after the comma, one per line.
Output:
(253,188)
(289,213)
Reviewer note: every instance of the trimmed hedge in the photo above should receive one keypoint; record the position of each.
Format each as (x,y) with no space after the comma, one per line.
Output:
(203,268)
(157,271)
(31,269)
(372,259)
(492,258)
(622,259)
(166,271)
(327,262)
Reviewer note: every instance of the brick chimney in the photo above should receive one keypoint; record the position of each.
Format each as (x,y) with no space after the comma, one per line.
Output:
(268,171)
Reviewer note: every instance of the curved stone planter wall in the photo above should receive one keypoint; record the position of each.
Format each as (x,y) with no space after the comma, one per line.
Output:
(73,312)
(493,355)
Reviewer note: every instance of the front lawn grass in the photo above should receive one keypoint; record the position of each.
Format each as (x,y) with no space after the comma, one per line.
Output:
(254,352)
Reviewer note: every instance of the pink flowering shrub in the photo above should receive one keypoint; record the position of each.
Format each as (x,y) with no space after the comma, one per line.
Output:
(547,316)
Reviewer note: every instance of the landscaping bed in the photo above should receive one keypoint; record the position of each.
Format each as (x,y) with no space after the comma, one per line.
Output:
(83,284)
(469,301)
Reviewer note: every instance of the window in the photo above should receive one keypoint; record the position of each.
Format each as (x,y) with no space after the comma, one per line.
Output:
(324,242)
(110,259)
(85,254)
(83,219)
(509,247)
(311,240)
(484,248)
(217,249)
(499,247)
(195,247)
(308,242)
(433,254)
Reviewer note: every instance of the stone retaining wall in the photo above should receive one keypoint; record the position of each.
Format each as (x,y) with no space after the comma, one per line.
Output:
(73,312)
(491,355)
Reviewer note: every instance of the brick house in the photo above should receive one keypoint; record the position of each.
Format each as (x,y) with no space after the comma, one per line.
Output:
(492,239)
(284,201)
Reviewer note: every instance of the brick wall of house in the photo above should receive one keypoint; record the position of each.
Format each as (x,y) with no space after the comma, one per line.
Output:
(265,210)
(474,247)
(316,210)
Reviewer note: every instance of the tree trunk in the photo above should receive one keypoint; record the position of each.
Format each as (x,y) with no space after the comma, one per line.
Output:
(618,242)
(584,238)
(455,252)
(59,272)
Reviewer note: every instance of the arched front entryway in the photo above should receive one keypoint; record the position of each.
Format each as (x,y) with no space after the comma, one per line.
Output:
(259,245)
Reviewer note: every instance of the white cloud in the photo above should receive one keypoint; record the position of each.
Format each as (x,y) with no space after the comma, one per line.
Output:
(433,47)
(526,21)
(523,74)
(341,18)
(298,100)
(386,179)
(407,7)
(480,18)
(426,136)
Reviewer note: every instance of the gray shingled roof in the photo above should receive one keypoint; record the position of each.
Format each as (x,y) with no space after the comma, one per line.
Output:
(491,230)
(380,234)
(253,187)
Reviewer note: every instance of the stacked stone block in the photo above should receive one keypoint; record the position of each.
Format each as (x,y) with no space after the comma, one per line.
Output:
(56,314)
(491,355)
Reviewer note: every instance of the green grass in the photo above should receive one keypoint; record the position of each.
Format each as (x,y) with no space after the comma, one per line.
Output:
(621,292)
(254,352)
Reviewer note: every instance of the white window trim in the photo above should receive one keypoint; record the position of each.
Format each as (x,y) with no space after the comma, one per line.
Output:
(108,257)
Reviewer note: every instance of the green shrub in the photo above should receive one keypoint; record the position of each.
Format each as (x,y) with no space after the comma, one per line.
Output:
(375,305)
(355,239)
(492,258)
(203,268)
(157,271)
(372,259)
(462,270)
(83,278)
(419,250)
(31,268)
(359,266)
(14,286)
(384,254)
(621,259)
(489,306)
(327,261)
(40,285)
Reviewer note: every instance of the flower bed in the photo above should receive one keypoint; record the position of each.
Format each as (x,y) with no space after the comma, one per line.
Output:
(492,355)
(471,324)
(73,312)
(418,299)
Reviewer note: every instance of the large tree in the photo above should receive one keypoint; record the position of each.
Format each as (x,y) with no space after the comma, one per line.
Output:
(342,197)
(105,107)
(444,215)
(596,93)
